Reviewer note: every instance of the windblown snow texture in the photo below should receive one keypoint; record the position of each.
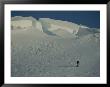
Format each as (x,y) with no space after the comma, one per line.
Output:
(53,48)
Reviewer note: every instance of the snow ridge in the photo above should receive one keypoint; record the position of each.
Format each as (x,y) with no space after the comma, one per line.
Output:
(49,26)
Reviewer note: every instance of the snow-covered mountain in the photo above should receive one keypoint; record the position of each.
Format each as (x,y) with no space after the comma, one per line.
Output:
(49,47)
(49,26)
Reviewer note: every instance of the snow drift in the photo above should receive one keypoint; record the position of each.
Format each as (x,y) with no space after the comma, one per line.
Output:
(48,25)
(19,22)
(51,25)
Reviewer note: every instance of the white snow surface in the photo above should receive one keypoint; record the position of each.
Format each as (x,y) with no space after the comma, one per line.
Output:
(51,48)
(21,24)
(51,25)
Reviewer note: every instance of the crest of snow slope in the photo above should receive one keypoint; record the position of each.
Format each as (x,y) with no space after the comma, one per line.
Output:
(62,28)
(51,26)
(19,22)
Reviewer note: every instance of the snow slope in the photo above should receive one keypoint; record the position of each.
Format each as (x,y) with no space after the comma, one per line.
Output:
(38,53)
(51,24)
(19,22)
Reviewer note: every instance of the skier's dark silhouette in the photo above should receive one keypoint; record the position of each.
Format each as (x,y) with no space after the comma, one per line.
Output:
(77,63)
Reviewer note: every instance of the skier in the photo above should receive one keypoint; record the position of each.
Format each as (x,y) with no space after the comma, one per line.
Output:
(77,62)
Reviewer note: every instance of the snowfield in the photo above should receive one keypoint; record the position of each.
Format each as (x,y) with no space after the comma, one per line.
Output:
(53,48)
